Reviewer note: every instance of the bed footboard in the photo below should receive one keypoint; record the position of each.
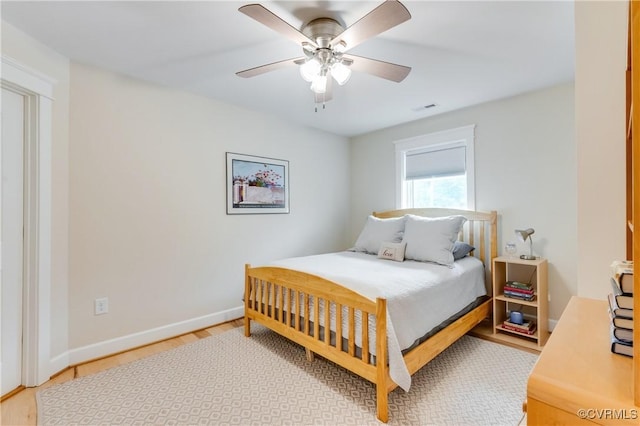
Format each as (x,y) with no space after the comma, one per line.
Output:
(323,317)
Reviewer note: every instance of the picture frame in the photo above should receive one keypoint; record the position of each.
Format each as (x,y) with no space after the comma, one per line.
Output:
(257,185)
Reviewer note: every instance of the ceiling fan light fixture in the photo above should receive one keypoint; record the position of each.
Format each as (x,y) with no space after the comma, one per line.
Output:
(310,69)
(340,73)
(324,43)
(319,84)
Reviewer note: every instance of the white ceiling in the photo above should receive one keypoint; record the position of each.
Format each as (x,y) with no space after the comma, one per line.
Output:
(462,52)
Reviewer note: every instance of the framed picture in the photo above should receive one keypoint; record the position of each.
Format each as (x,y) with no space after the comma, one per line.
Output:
(257,185)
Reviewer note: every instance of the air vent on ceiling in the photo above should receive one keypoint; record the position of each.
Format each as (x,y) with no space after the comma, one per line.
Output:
(423,107)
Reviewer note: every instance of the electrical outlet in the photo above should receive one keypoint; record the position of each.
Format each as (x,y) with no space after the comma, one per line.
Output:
(101,306)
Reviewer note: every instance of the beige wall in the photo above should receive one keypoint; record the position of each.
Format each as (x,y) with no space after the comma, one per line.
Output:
(148,223)
(601,55)
(139,202)
(525,169)
(29,52)
(571,187)
(574,178)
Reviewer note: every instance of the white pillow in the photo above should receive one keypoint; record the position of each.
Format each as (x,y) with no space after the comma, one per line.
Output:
(376,231)
(392,251)
(432,239)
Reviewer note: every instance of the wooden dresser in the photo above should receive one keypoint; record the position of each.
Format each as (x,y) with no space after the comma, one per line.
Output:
(577,380)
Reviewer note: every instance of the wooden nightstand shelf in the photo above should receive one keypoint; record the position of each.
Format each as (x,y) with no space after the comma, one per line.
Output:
(533,272)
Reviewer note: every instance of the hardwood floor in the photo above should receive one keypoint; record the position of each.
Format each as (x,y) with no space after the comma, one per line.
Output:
(20,409)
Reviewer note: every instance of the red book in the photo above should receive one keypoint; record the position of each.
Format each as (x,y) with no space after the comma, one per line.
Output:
(518,290)
(520,330)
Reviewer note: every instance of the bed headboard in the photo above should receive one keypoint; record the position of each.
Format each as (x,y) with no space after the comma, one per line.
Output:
(480,230)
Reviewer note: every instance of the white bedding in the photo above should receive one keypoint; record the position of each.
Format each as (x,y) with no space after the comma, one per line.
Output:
(420,295)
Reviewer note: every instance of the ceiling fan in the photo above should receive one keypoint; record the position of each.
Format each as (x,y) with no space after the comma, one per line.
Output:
(325,42)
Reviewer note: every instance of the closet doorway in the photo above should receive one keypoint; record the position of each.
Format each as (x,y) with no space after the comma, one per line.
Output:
(11,238)
(25,232)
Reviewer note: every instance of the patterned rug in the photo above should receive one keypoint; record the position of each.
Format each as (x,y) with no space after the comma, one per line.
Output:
(266,380)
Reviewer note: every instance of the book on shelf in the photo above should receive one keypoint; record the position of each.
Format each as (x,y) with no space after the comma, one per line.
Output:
(622,273)
(617,311)
(518,290)
(518,284)
(621,347)
(621,264)
(624,301)
(620,322)
(519,296)
(618,347)
(623,334)
(530,332)
(527,327)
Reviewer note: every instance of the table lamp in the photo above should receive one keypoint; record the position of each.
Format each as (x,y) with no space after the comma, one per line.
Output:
(523,234)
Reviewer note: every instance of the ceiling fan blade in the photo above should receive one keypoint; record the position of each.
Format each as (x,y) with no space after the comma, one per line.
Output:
(252,72)
(386,70)
(384,17)
(273,21)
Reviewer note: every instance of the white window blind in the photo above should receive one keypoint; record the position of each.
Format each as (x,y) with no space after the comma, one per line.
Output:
(438,162)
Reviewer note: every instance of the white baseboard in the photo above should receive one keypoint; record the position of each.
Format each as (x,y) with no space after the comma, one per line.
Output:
(112,346)
(58,364)
(119,344)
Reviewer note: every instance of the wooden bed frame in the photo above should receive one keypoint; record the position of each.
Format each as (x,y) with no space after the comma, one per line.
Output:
(294,291)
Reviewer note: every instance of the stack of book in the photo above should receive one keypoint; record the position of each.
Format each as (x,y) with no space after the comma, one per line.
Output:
(621,307)
(518,290)
(527,327)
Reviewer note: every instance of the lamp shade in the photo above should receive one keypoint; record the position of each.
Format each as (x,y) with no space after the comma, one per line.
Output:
(310,69)
(319,84)
(523,234)
(340,72)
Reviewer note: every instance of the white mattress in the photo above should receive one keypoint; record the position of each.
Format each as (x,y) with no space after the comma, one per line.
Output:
(420,295)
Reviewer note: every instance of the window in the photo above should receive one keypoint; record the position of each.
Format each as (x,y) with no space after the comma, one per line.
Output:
(436,170)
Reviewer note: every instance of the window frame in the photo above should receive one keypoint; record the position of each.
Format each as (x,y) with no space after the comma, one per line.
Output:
(461,136)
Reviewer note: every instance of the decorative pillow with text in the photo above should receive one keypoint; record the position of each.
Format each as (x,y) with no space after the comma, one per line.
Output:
(392,251)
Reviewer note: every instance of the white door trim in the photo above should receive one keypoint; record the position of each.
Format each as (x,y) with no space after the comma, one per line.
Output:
(38,91)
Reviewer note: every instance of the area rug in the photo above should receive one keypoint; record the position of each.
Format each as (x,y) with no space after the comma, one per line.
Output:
(229,379)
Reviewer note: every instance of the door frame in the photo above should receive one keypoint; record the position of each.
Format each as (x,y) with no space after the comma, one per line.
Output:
(37,89)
